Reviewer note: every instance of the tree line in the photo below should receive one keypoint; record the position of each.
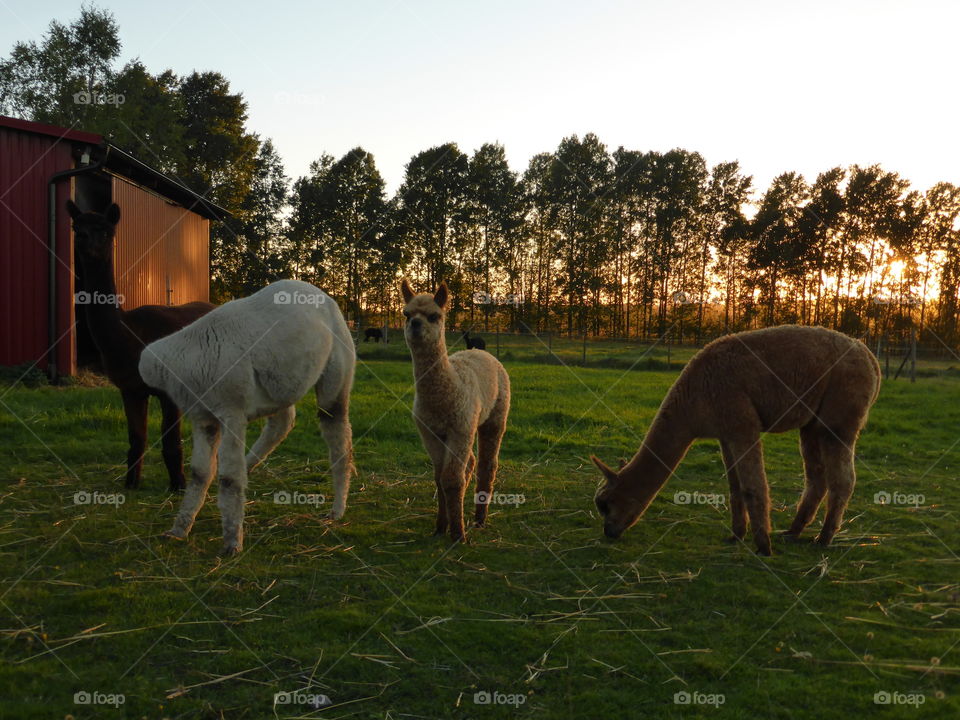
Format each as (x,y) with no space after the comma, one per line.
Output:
(585,240)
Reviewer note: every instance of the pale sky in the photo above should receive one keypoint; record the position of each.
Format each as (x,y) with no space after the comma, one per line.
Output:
(801,86)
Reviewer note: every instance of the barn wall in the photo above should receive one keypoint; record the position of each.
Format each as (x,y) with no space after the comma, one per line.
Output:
(161,252)
(27,161)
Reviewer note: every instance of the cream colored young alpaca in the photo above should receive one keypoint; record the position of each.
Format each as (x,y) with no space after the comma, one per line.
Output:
(459,398)
(736,388)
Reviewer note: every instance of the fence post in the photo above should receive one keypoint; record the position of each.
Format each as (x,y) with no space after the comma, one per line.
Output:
(887,348)
(913,356)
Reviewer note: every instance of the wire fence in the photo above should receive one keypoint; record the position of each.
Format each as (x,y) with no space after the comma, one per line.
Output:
(898,361)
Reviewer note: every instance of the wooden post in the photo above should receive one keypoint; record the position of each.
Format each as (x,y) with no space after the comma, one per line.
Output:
(913,356)
(887,348)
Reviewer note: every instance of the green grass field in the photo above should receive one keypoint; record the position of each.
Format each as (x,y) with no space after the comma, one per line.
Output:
(538,613)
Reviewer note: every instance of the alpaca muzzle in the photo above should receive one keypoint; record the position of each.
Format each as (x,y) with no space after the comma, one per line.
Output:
(612,532)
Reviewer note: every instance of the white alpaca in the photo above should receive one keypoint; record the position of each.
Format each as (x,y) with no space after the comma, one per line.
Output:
(251,358)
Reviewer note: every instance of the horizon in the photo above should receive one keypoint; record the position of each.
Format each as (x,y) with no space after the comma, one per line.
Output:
(402,77)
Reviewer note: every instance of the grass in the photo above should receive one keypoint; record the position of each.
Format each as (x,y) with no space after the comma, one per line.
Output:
(388,622)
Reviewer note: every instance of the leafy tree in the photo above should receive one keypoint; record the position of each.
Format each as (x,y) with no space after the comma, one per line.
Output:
(723,226)
(543,240)
(778,250)
(432,215)
(258,257)
(39,81)
(578,180)
(495,206)
(677,184)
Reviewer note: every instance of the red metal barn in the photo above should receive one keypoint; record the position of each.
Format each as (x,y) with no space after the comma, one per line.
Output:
(161,253)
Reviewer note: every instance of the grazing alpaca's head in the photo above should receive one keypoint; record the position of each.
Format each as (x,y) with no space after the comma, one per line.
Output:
(620,509)
(424,314)
(94,231)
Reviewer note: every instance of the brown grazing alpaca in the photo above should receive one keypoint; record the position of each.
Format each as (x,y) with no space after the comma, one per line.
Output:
(121,335)
(459,398)
(737,387)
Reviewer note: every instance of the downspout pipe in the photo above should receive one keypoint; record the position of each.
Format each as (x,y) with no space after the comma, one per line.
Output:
(53,332)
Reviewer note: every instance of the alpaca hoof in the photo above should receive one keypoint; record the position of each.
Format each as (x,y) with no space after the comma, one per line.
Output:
(733,539)
(458,539)
(791,537)
(334,515)
(822,541)
(230,550)
(764,551)
(175,534)
(178,485)
(479,523)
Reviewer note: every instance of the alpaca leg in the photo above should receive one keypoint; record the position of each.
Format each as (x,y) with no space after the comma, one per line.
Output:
(748,460)
(437,451)
(206,438)
(840,479)
(815,486)
(489,438)
(172,443)
(275,429)
(338,435)
(135,408)
(233,482)
(454,485)
(738,510)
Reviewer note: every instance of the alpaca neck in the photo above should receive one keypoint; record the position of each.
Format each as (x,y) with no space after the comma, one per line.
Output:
(662,450)
(432,373)
(104,320)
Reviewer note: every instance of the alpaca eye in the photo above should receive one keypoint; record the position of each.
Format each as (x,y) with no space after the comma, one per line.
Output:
(434,317)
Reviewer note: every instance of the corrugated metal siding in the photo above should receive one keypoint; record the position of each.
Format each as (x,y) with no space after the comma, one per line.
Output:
(161,252)
(26,163)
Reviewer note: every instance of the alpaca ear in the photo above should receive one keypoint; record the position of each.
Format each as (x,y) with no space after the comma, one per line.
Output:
(113,214)
(440,296)
(406,290)
(73,210)
(608,473)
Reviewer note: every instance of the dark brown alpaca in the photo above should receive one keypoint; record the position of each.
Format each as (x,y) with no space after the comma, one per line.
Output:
(120,336)
(738,387)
